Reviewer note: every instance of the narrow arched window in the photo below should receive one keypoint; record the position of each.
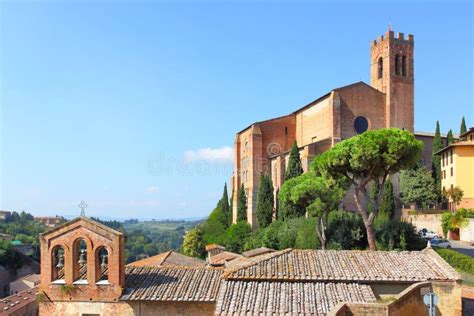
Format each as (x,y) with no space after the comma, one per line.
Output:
(57,267)
(397,65)
(80,261)
(102,265)
(380,67)
(404,66)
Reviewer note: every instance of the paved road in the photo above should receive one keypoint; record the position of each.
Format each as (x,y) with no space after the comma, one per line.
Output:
(462,248)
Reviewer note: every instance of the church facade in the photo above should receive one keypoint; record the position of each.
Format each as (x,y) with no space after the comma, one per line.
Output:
(388,101)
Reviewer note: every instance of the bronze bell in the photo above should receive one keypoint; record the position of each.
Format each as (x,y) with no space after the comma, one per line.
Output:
(103,263)
(82,257)
(60,262)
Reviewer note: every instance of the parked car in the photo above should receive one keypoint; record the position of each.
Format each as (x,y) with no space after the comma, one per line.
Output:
(428,234)
(443,243)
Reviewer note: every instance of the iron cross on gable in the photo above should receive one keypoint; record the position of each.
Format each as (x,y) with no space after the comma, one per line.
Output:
(82,206)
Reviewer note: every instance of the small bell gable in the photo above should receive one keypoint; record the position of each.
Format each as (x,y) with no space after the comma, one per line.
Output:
(82,260)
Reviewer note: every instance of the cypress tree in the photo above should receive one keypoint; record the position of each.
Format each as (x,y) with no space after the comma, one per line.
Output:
(450,137)
(463,126)
(387,205)
(265,201)
(294,163)
(241,204)
(436,159)
(224,208)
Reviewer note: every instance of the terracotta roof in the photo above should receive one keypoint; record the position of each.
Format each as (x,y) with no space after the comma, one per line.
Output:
(257,252)
(169,258)
(171,284)
(288,298)
(431,134)
(214,246)
(221,258)
(456,144)
(346,265)
(313,102)
(13,303)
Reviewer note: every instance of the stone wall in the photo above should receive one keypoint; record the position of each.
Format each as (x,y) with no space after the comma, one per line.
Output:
(466,233)
(409,302)
(433,222)
(429,221)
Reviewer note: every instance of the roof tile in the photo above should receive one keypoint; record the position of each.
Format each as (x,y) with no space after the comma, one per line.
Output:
(343,265)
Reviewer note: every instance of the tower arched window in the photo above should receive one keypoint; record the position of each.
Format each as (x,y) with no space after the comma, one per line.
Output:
(380,68)
(404,66)
(80,261)
(102,265)
(397,65)
(57,267)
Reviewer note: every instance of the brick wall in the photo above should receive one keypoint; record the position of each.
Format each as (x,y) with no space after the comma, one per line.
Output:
(127,308)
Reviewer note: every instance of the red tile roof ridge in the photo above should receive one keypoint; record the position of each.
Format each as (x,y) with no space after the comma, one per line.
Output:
(442,263)
(148,259)
(255,260)
(174,267)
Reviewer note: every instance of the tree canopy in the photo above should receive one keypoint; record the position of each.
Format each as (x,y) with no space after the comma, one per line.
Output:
(418,186)
(236,236)
(450,137)
(193,244)
(319,195)
(265,201)
(371,156)
(241,204)
(387,206)
(287,208)
(436,159)
(463,128)
(294,168)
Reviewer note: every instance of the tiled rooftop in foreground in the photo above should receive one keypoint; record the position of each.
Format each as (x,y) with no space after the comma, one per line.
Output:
(171,284)
(288,298)
(346,265)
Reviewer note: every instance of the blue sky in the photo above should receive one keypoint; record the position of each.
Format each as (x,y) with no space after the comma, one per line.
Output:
(132,106)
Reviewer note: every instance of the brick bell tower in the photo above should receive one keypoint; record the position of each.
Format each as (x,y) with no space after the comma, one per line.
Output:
(392,72)
(82,261)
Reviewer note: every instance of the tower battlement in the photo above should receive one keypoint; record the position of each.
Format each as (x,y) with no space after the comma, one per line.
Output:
(391,35)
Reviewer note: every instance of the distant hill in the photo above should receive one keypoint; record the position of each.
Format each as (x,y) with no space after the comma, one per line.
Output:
(147,238)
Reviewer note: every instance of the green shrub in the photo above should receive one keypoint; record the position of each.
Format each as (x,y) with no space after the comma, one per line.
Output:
(346,231)
(294,233)
(236,236)
(457,260)
(395,235)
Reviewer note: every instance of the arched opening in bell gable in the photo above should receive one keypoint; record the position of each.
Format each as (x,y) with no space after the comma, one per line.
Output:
(58,265)
(102,265)
(80,258)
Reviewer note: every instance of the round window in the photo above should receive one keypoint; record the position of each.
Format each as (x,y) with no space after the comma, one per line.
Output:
(361,124)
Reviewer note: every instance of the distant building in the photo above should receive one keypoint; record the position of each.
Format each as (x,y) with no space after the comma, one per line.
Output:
(457,168)
(50,221)
(24,283)
(5,214)
(6,237)
(27,250)
(4,281)
(21,304)
(91,257)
